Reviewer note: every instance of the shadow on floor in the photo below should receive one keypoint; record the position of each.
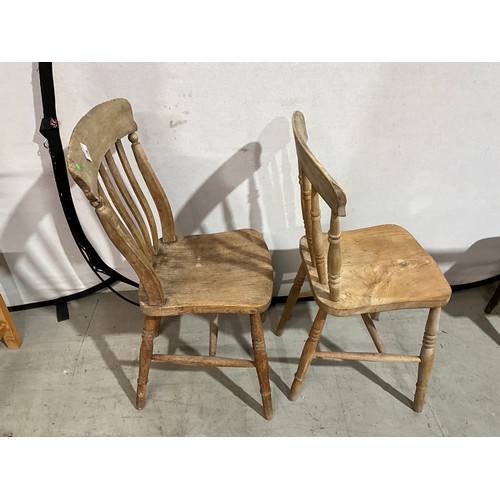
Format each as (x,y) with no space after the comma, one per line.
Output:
(460,306)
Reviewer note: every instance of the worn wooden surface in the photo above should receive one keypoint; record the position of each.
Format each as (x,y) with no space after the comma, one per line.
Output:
(374,269)
(228,272)
(383,268)
(8,331)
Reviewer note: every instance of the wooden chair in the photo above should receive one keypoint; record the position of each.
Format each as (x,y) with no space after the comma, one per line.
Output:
(364,271)
(228,272)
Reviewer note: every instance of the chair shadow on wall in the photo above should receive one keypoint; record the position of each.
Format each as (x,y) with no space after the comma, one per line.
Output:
(269,151)
(469,267)
(240,168)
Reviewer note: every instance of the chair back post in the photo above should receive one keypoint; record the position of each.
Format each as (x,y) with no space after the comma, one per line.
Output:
(155,188)
(305,200)
(315,181)
(334,257)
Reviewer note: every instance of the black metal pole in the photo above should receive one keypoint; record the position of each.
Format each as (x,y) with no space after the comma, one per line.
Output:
(49,128)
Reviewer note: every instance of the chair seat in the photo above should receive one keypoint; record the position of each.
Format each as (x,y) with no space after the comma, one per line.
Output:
(229,272)
(383,268)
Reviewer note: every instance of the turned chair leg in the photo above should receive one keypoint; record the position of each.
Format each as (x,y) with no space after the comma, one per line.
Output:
(261,364)
(157,327)
(150,330)
(292,298)
(427,354)
(307,354)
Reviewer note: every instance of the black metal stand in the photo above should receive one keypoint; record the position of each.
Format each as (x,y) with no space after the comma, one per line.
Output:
(49,128)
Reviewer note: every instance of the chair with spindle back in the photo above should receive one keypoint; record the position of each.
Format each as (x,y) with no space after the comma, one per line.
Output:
(228,272)
(363,271)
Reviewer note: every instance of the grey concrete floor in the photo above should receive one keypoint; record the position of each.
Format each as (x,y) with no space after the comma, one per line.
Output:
(78,377)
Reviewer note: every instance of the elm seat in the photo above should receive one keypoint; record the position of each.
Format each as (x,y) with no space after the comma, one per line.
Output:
(203,274)
(363,271)
(229,272)
(383,268)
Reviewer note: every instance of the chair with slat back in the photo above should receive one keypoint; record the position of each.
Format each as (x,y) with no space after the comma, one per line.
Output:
(228,272)
(363,271)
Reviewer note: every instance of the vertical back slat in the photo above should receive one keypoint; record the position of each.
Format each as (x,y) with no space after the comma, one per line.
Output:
(139,194)
(120,236)
(122,211)
(131,204)
(155,188)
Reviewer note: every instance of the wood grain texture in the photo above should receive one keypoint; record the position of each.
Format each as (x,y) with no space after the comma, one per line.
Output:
(99,129)
(383,268)
(227,272)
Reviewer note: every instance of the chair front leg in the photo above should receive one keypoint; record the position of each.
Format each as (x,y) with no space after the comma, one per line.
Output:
(261,364)
(292,298)
(157,327)
(307,354)
(151,327)
(427,354)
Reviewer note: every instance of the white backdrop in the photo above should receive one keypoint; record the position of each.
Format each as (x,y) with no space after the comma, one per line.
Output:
(415,144)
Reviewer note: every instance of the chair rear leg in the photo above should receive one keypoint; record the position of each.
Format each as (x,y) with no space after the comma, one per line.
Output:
(214,332)
(307,354)
(427,354)
(292,298)
(150,330)
(261,364)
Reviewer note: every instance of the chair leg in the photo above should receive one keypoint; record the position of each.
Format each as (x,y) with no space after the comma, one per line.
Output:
(493,301)
(307,354)
(151,327)
(157,327)
(292,298)
(368,320)
(427,354)
(261,364)
(214,332)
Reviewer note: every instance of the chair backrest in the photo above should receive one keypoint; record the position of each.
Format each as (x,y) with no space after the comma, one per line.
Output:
(315,181)
(98,162)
